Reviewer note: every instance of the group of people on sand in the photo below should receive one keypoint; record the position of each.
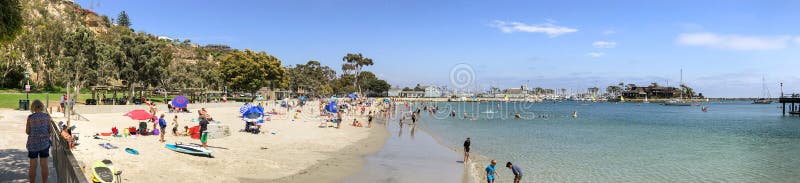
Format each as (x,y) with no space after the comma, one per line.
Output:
(490,172)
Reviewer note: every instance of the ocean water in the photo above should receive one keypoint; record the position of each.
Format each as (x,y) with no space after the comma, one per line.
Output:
(626,142)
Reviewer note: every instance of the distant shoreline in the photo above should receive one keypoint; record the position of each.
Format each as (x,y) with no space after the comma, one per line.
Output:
(481,99)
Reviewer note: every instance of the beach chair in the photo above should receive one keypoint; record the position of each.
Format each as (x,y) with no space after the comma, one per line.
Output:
(142,128)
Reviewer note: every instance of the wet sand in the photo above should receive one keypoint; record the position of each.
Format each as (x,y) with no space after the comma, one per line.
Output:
(411,155)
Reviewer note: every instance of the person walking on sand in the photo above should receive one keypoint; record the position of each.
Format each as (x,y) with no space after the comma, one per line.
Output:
(162,123)
(369,119)
(339,118)
(491,172)
(516,170)
(175,126)
(467,143)
(38,145)
(203,131)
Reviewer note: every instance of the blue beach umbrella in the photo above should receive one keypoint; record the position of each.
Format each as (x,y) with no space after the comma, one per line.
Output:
(180,101)
(353,96)
(245,108)
(331,107)
(303,98)
(254,114)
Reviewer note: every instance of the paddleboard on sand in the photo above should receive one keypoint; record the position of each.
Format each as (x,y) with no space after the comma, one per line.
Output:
(188,149)
(132,151)
(103,171)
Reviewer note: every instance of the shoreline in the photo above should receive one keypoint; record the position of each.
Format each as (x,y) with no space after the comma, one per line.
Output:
(470,169)
(410,155)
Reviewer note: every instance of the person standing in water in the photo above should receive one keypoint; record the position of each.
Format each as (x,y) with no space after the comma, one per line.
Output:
(491,172)
(516,170)
(467,143)
(413,118)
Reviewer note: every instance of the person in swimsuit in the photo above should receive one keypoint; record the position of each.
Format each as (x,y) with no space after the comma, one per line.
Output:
(467,143)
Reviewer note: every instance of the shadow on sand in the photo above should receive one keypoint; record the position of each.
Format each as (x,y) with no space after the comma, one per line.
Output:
(14,164)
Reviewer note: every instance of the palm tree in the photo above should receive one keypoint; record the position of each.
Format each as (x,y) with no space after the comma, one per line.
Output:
(355,62)
(687,90)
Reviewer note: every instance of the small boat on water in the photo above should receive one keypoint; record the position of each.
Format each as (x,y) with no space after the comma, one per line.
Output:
(762,101)
(764,94)
(677,102)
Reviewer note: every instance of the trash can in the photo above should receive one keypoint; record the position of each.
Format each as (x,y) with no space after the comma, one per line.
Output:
(23,105)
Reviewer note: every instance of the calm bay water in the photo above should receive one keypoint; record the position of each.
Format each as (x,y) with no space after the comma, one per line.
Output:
(628,142)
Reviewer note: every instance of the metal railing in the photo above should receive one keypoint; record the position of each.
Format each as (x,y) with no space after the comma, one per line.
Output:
(66,165)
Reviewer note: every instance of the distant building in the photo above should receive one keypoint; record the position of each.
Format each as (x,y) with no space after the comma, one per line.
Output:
(218,47)
(652,92)
(514,93)
(412,94)
(432,92)
(165,38)
(394,91)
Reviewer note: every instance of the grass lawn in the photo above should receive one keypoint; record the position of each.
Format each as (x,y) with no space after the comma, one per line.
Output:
(11,100)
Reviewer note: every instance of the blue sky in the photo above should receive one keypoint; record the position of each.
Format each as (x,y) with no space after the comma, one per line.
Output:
(724,47)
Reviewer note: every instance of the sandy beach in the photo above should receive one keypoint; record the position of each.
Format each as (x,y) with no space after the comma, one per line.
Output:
(298,151)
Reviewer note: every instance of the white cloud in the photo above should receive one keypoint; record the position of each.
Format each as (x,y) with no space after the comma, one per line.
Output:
(609,32)
(733,42)
(604,44)
(797,40)
(548,28)
(596,54)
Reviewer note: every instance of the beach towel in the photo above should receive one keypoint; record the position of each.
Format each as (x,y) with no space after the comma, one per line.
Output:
(194,132)
(108,146)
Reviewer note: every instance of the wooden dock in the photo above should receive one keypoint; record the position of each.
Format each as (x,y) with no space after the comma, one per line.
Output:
(794,103)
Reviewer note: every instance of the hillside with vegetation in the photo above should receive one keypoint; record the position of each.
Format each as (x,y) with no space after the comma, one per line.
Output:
(59,44)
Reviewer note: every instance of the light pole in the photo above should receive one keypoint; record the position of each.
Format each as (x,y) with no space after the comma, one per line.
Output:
(27,85)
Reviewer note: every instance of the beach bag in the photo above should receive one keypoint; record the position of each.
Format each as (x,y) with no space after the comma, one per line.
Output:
(114,130)
(156,132)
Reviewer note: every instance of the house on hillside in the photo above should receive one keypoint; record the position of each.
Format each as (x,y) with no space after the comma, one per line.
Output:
(652,92)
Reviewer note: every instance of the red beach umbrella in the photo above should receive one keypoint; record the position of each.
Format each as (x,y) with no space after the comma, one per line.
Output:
(139,114)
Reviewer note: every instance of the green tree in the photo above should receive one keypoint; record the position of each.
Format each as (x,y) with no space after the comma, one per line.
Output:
(140,61)
(10,20)
(249,71)
(356,62)
(344,84)
(311,76)
(378,86)
(80,58)
(123,19)
(44,47)
(11,65)
(687,91)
